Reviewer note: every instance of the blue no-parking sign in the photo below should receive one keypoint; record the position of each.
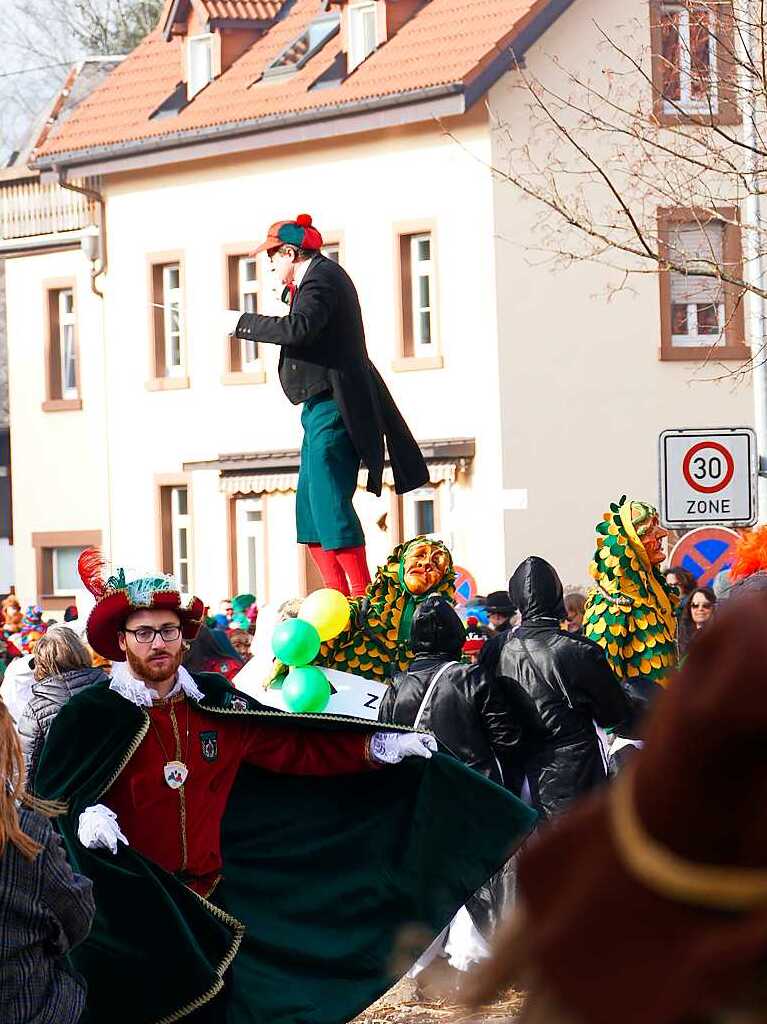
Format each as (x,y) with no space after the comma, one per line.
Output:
(705,552)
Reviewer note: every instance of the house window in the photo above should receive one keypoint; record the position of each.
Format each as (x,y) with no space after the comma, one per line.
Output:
(180,535)
(243,288)
(304,47)
(67,349)
(699,310)
(66,579)
(62,350)
(694,71)
(420,513)
(251,547)
(200,57)
(417,279)
(56,556)
(333,251)
(168,319)
(363,33)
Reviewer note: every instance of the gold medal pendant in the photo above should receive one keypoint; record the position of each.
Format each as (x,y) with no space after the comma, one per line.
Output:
(175,773)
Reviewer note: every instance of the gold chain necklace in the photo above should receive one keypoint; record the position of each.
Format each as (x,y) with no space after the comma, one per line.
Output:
(174,772)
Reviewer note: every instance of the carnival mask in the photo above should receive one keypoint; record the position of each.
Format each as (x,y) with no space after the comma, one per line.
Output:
(650,532)
(424,566)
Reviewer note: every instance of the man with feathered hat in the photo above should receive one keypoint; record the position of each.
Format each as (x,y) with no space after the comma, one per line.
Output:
(348,414)
(237,877)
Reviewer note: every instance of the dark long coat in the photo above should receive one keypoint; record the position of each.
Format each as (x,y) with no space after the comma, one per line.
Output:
(556,686)
(323,347)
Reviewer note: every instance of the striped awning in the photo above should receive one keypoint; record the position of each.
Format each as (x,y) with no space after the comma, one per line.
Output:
(440,472)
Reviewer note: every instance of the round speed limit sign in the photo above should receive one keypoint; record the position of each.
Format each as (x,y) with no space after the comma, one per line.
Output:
(708,477)
(708,467)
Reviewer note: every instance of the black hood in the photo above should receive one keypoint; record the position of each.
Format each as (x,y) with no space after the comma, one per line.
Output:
(436,628)
(536,589)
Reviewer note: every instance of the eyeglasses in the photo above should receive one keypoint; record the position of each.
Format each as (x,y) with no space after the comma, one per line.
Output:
(146,635)
(698,607)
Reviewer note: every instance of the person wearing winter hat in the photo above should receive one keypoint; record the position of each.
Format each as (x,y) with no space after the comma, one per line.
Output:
(648,903)
(348,415)
(500,610)
(205,853)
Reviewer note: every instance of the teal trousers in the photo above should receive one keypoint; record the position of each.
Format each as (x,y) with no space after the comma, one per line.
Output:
(327,479)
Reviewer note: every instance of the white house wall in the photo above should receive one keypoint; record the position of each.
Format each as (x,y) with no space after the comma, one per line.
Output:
(585,394)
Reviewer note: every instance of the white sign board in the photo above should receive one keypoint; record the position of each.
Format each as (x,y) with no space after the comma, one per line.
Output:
(353,696)
(708,477)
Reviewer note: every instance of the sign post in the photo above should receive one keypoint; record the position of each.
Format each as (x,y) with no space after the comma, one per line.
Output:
(708,477)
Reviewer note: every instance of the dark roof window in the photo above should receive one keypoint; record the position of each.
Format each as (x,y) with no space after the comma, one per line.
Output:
(302,49)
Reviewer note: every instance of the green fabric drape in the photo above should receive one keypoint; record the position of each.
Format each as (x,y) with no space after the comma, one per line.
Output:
(322,876)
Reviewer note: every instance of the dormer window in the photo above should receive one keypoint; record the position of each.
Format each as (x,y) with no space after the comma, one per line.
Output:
(200,63)
(363,32)
(302,49)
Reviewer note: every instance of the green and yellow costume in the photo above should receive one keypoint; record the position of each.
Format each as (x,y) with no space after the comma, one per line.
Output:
(376,642)
(630,612)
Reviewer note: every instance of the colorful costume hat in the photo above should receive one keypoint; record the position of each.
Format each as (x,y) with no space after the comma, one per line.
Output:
(661,914)
(630,612)
(116,599)
(298,232)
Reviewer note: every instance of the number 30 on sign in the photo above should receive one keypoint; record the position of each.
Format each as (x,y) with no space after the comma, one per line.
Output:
(708,477)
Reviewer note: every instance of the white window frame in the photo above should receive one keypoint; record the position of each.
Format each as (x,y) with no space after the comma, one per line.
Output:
(693,338)
(250,360)
(67,342)
(332,247)
(359,15)
(419,269)
(251,538)
(685,101)
(181,522)
(171,297)
(195,81)
(61,591)
(414,498)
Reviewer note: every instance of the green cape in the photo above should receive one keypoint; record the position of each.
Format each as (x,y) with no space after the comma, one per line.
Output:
(322,876)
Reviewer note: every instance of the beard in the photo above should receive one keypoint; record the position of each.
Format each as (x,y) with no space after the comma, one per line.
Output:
(154,671)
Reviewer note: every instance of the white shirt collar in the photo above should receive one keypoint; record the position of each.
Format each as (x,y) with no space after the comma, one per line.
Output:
(300,271)
(137,692)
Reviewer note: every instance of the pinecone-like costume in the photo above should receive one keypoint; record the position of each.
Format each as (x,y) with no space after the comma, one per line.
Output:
(630,612)
(376,643)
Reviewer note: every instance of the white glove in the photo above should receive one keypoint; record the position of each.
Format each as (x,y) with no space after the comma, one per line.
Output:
(98,829)
(229,320)
(393,747)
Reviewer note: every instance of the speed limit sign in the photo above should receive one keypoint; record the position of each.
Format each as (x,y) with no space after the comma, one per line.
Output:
(708,476)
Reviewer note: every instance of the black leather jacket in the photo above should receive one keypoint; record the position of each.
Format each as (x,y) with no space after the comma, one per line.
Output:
(556,685)
(462,712)
(48,698)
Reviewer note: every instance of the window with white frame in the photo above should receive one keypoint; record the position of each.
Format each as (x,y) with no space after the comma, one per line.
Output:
(66,579)
(251,548)
(688,42)
(180,530)
(67,347)
(422,293)
(172,325)
(200,63)
(333,251)
(363,32)
(420,512)
(697,302)
(247,288)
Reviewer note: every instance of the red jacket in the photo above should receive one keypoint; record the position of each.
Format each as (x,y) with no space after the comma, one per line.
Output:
(179,829)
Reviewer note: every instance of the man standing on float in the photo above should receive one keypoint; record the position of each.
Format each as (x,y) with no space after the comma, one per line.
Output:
(347,413)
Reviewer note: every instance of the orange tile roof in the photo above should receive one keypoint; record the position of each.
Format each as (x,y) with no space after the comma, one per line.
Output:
(446,42)
(257,10)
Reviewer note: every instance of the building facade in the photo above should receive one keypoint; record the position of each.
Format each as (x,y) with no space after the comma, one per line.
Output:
(139,426)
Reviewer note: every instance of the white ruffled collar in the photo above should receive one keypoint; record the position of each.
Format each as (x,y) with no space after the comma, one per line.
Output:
(137,692)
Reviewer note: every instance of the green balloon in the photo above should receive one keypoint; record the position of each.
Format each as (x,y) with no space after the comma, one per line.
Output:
(306,690)
(295,642)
